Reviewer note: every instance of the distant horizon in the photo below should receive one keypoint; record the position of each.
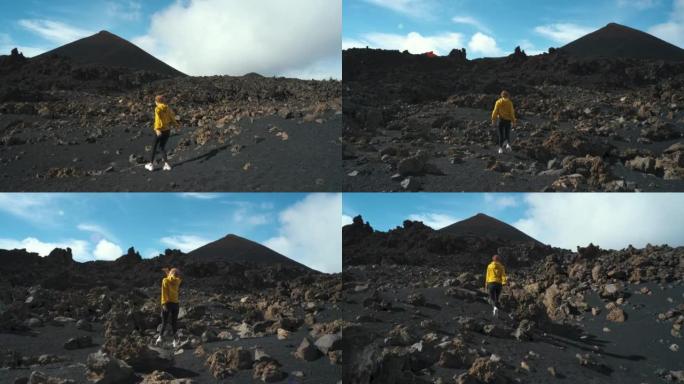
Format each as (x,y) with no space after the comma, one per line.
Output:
(309,51)
(439,26)
(557,220)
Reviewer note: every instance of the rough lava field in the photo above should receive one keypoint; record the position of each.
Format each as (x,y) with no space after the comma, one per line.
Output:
(248,315)
(603,113)
(73,119)
(415,308)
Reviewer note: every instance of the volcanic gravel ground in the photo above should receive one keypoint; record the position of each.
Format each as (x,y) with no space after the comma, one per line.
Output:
(633,350)
(464,149)
(50,339)
(308,160)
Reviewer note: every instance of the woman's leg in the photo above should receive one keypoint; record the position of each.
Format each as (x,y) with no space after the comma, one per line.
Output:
(492,296)
(165,318)
(501,132)
(497,293)
(174,318)
(163,139)
(154,147)
(508,133)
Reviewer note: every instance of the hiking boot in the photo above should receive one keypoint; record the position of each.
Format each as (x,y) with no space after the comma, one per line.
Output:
(176,343)
(167,167)
(495,312)
(500,150)
(508,147)
(149,166)
(159,340)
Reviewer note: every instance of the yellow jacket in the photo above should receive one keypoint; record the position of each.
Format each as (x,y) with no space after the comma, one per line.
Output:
(164,117)
(503,109)
(169,289)
(496,273)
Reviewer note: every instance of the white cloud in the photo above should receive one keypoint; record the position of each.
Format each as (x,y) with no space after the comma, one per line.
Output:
(346,220)
(638,4)
(185,243)
(672,31)
(468,20)
(33,207)
(98,232)
(483,44)
(200,196)
(150,253)
(310,233)
(608,220)
(413,42)
(54,31)
(563,32)
(530,48)
(245,217)
(273,37)
(434,220)
(106,250)
(126,10)
(79,248)
(500,201)
(414,8)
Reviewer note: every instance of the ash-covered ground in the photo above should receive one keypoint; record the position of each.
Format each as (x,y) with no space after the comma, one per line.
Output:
(240,322)
(417,311)
(70,125)
(586,123)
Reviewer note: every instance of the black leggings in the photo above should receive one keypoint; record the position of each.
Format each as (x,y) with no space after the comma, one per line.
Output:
(494,290)
(504,131)
(169,310)
(161,140)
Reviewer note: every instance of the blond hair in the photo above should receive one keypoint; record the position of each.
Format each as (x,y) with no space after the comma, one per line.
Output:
(159,98)
(505,94)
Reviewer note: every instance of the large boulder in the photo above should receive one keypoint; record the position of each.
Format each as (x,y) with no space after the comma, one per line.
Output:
(330,342)
(225,362)
(104,369)
(307,351)
(612,291)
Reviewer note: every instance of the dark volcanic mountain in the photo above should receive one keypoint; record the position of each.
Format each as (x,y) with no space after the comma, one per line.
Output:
(619,41)
(235,249)
(469,244)
(107,49)
(482,225)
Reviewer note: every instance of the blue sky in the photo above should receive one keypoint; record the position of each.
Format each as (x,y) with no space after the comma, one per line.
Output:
(296,38)
(495,27)
(564,220)
(103,225)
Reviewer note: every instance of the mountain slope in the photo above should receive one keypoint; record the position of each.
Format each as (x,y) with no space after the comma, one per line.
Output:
(235,249)
(106,49)
(482,225)
(619,41)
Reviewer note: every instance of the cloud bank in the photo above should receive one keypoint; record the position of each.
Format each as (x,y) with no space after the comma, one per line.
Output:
(310,233)
(299,38)
(609,220)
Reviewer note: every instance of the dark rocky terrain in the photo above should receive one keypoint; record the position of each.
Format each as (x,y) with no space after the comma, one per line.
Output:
(415,310)
(603,113)
(269,319)
(76,120)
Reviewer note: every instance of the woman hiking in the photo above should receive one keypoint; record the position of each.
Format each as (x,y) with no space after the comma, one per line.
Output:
(494,281)
(170,303)
(503,110)
(164,118)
